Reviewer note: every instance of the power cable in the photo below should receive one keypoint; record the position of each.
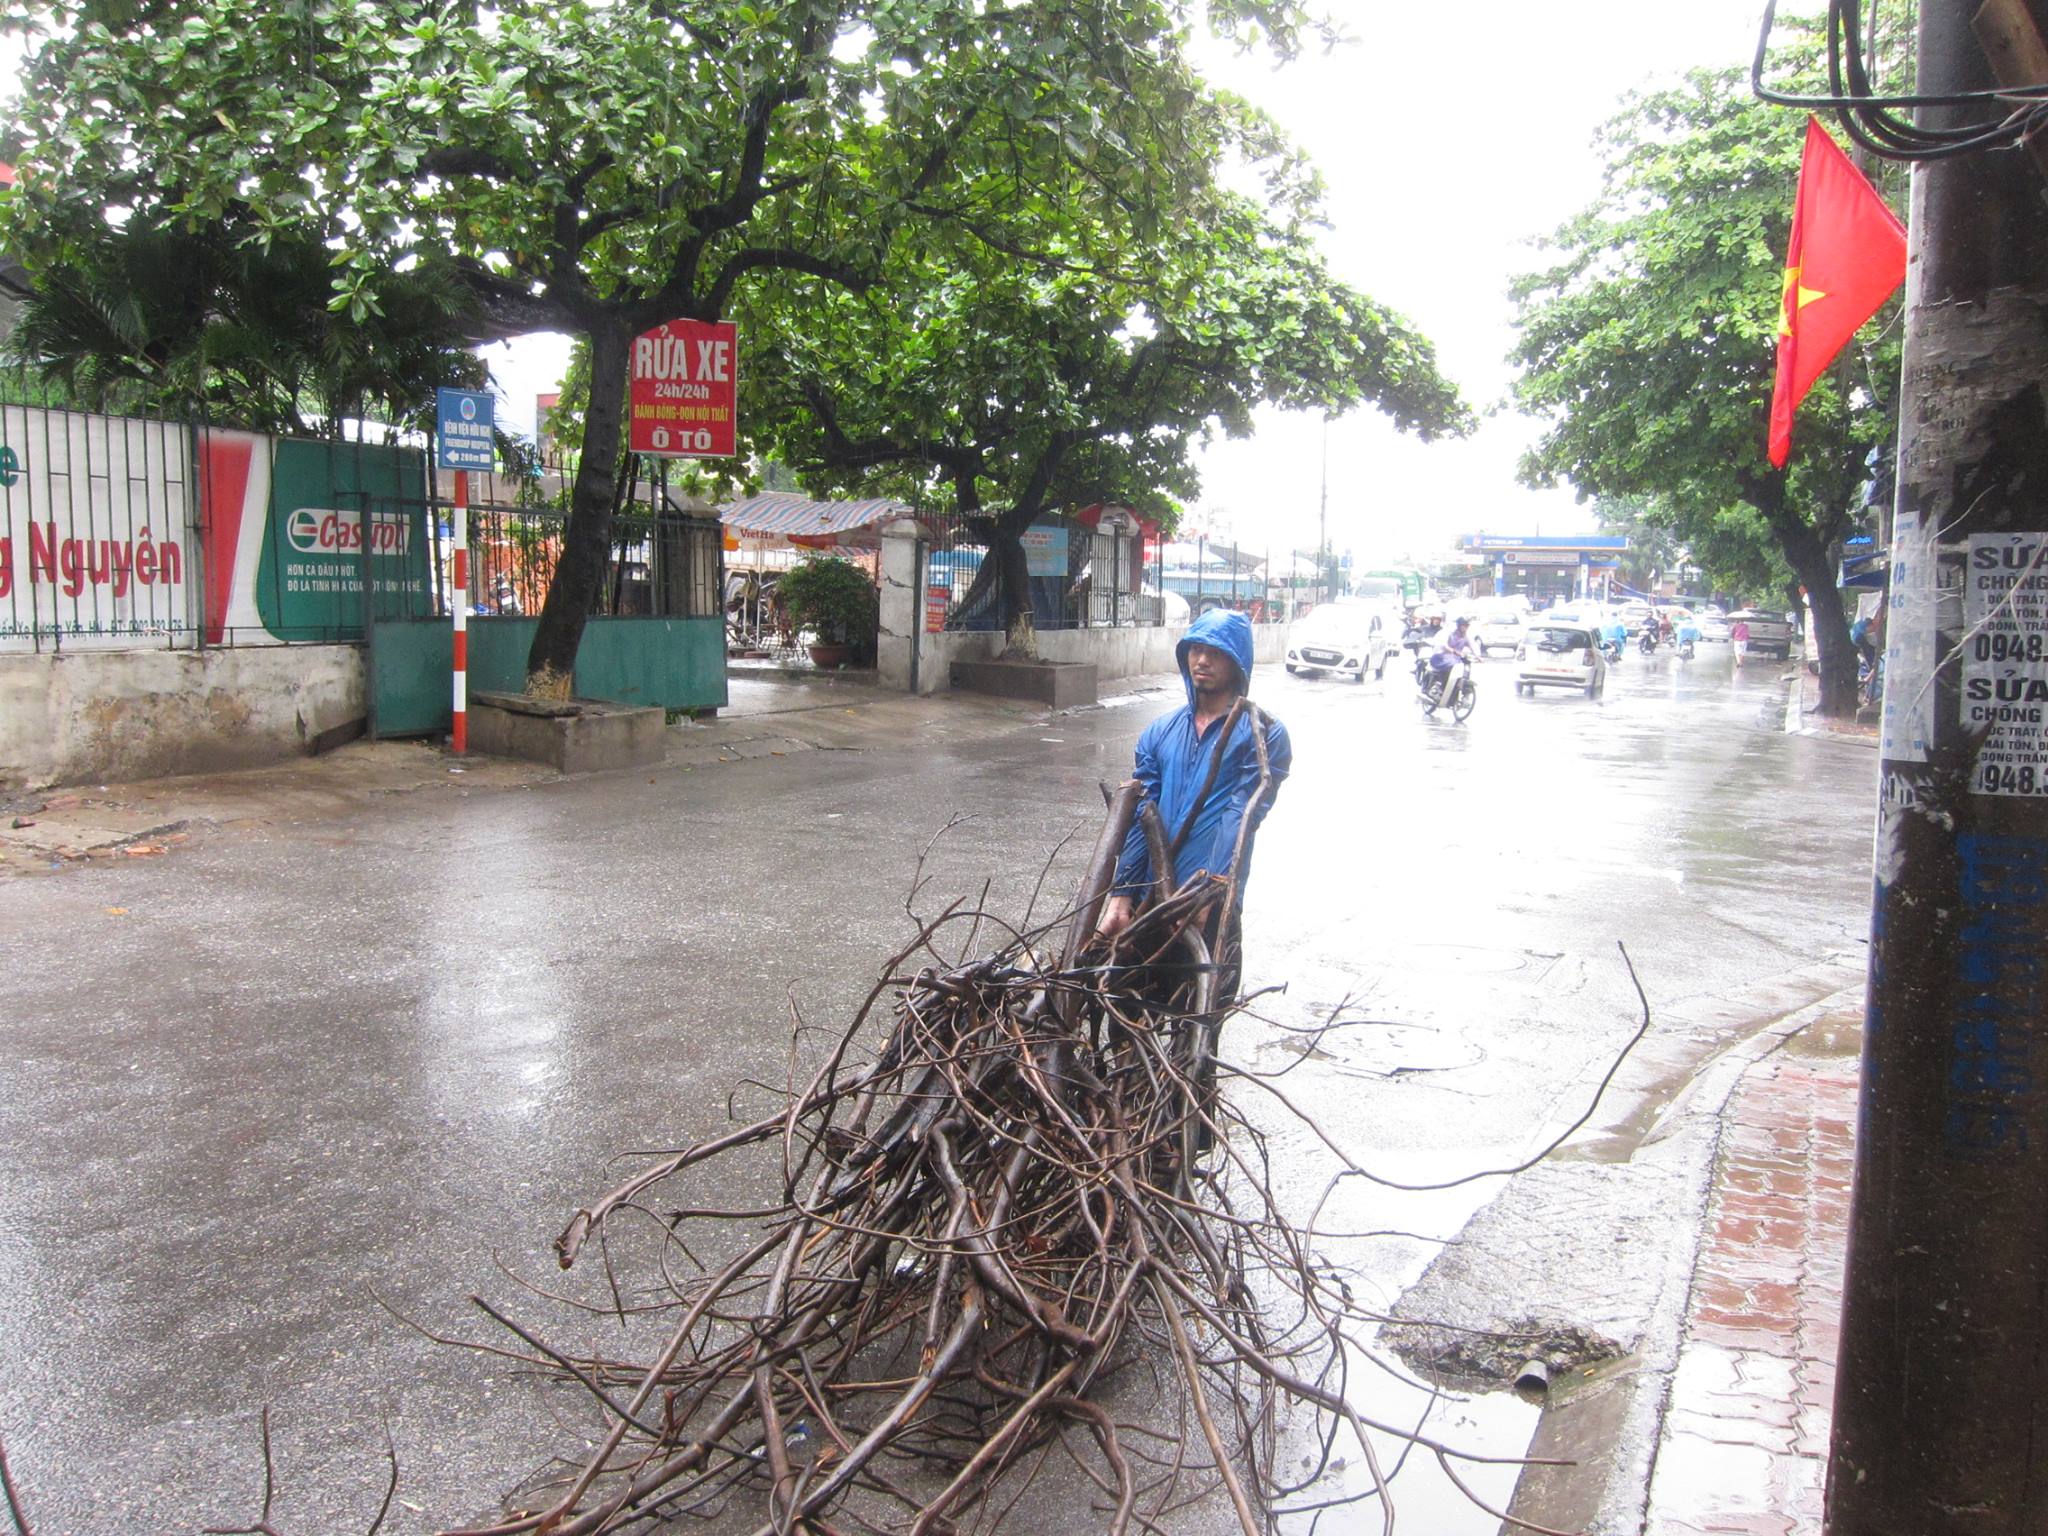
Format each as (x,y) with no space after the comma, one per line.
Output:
(1867,115)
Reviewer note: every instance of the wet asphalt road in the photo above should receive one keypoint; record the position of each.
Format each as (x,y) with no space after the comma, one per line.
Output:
(249,1089)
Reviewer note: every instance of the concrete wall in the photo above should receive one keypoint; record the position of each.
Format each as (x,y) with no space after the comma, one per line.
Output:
(1128,652)
(86,715)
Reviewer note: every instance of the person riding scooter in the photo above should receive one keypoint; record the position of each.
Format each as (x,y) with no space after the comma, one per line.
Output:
(1452,648)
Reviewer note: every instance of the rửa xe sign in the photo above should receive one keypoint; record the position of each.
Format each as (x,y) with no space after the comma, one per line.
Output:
(683,389)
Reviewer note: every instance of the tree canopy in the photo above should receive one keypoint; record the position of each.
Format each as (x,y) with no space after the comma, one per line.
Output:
(602,168)
(177,321)
(1012,387)
(1648,346)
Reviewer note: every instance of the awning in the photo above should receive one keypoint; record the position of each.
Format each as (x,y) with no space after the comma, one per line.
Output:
(800,518)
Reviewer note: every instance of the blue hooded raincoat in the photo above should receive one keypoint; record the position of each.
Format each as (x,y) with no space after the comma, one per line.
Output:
(1173,761)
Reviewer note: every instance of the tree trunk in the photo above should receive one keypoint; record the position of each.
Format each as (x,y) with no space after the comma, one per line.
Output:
(1812,561)
(586,542)
(1013,590)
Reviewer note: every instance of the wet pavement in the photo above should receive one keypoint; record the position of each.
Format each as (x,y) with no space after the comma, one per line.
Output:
(358,1054)
(1745,1440)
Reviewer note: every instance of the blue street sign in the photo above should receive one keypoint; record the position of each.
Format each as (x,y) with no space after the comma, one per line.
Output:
(462,430)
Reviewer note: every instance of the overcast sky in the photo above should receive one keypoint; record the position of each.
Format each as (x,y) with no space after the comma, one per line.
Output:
(1449,137)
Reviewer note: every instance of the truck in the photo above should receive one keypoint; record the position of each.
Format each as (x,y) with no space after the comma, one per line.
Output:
(1770,634)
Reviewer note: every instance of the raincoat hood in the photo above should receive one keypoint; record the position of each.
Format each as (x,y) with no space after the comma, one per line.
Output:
(1228,632)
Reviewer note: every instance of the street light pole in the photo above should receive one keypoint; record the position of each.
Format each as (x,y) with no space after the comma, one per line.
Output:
(1323,519)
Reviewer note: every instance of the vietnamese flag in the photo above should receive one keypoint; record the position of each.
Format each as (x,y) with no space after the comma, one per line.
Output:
(1848,253)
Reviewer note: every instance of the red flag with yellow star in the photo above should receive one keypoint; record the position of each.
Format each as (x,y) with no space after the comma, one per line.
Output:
(1848,254)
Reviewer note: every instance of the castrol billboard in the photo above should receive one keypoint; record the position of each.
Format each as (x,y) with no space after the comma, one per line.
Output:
(683,388)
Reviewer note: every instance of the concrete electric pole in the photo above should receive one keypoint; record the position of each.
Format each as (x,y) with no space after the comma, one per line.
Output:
(1941,1403)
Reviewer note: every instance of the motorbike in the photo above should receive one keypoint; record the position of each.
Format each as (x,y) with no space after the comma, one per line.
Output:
(1452,688)
(1646,642)
(1685,647)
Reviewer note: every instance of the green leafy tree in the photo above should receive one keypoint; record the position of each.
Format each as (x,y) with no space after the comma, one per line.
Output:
(1011,388)
(574,166)
(1734,551)
(193,321)
(1648,346)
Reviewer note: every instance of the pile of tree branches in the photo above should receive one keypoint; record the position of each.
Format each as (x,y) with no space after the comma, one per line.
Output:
(1033,1184)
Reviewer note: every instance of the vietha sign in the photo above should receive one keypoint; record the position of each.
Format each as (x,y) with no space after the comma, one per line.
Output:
(683,390)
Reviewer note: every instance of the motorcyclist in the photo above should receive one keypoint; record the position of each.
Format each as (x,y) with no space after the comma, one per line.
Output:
(1454,646)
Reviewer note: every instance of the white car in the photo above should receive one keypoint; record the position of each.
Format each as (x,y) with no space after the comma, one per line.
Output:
(1343,639)
(1498,632)
(1712,625)
(1555,654)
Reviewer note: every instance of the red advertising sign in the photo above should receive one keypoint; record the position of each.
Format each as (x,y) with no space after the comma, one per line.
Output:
(684,383)
(938,598)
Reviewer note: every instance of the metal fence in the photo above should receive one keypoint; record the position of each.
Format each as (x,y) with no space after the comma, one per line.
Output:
(99,532)
(1081,577)
(660,564)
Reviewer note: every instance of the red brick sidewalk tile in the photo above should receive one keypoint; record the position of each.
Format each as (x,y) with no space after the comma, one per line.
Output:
(1744,1445)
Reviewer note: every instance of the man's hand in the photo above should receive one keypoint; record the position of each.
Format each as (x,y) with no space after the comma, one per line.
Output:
(1116,917)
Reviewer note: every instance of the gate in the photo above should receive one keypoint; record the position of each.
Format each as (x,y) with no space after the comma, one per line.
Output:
(656,635)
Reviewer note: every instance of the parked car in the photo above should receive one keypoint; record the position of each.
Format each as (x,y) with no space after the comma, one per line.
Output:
(1554,654)
(1498,631)
(1770,634)
(1345,639)
(1712,625)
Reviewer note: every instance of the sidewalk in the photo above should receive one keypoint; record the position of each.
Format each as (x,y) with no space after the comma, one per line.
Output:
(768,715)
(1801,715)
(1744,1444)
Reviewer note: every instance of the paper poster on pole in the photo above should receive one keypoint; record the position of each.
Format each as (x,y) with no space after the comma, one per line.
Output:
(2005,662)
(683,390)
(1911,632)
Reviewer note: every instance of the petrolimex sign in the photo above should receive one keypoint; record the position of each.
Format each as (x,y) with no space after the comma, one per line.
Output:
(683,390)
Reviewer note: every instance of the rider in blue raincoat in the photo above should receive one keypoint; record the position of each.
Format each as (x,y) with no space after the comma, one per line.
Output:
(1173,761)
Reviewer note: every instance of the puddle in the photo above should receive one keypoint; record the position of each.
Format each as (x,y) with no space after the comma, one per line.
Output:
(1498,1424)
(1836,1036)
(1466,958)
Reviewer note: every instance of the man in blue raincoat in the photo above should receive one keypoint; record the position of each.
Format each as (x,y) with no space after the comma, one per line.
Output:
(1173,760)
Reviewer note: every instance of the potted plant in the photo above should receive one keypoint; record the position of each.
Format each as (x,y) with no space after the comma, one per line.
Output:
(833,599)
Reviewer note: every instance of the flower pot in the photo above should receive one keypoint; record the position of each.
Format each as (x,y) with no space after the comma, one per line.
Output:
(829,655)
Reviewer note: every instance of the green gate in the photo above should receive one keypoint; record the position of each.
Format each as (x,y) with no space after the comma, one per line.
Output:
(657,637)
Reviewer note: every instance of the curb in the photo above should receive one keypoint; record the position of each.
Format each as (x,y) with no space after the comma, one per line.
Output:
(1610,1430)
(1822,728)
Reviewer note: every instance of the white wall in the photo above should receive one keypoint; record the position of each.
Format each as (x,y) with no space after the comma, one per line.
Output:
(1130,652)
(66,719)
(904,650)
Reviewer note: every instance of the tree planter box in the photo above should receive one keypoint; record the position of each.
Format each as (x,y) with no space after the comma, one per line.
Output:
(579,736)
(1061,684)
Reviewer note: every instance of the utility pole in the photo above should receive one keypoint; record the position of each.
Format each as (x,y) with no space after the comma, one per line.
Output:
(1323,518)
(1941,1400)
